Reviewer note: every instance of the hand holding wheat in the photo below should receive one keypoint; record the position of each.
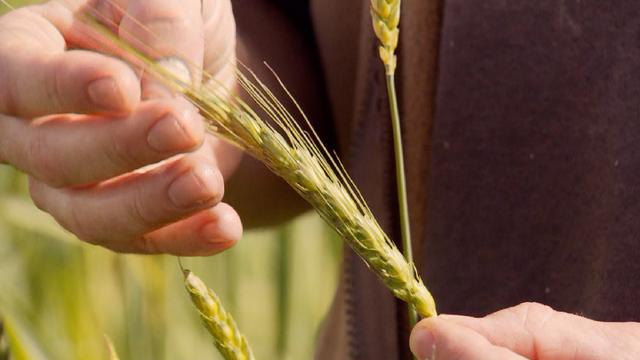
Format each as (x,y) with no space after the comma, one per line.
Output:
(82,161)
(299,158)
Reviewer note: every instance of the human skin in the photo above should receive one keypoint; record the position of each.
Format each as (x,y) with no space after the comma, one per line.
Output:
(71,177)
(84,169)
(82,124)
(526,331)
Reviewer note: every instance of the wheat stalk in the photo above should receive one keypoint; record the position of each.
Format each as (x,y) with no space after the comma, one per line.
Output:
(385,17)
(219,322)
(298,157)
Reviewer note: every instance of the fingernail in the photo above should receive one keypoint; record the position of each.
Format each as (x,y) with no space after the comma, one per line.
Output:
(105,93)
(422,344)
(177,68)
(169,134)
(195,188)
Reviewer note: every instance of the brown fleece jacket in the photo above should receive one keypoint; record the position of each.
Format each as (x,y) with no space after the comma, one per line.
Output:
(521,121)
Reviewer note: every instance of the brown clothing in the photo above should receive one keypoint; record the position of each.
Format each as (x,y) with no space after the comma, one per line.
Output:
(521,121)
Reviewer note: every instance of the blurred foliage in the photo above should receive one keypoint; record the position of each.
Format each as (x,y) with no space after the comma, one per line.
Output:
(60,298)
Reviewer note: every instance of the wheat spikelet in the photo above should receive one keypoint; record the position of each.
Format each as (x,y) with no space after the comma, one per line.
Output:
(299,158)
(227,338)
(385,16)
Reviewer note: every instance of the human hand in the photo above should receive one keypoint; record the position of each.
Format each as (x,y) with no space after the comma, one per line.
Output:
(81,124)
(526,331)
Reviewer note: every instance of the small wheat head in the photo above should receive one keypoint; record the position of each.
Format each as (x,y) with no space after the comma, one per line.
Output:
(385,16)
(227,338)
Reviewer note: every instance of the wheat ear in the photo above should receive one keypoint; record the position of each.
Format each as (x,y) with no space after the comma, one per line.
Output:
(385,15)
(227,338)
(298,157)
(301,160)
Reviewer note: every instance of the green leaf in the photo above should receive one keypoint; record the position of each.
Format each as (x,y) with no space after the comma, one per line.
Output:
(22,344)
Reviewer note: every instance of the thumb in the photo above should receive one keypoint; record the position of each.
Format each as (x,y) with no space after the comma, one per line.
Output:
(537,331)
(436,338)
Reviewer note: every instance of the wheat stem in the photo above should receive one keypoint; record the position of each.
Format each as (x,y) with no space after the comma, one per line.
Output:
(385,16)
(401,184)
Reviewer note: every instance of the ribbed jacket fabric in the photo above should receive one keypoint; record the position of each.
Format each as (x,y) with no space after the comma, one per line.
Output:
(522,128)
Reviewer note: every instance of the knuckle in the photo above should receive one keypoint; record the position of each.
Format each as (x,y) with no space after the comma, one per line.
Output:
(145,245)
(532,309)
(54,85)
(139,213)
(210,177)
(536,318)
(44,164)
(120,154)
(167,19)
(71,220)
(77,226)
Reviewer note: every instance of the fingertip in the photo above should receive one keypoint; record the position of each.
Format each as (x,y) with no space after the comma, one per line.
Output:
(86,82)
(224,226)
(117,89)
(180,129)
(215,248)
(207,233)
(129,86)
(200,186)
(421,341)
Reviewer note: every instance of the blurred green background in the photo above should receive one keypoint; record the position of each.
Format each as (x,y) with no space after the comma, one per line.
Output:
(60,297)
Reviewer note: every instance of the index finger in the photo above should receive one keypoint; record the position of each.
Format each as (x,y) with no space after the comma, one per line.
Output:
(39,77)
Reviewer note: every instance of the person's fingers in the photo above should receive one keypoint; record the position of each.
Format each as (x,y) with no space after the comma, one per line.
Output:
(438,339)
(165,28)
(39,77)
(226,155)
(167,31)
(205,233)
(70,150)
(537,331)
(115,212)
(220,39)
